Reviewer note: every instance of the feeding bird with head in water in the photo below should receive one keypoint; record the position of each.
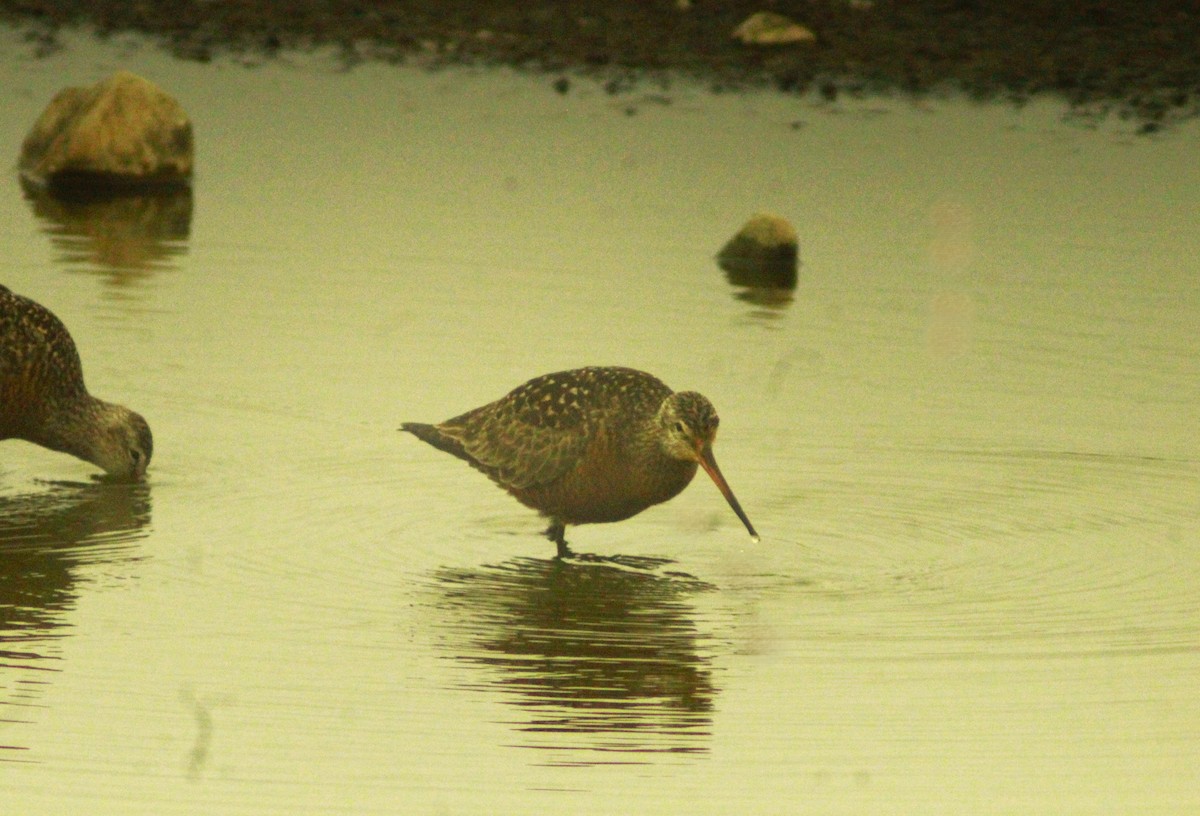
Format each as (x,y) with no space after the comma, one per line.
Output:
(587,446)
(43,398)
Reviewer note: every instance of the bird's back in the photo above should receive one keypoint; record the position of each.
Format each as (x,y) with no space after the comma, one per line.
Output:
(542,429)
(40,370)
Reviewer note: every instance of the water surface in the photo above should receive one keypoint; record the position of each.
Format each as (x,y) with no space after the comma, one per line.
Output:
(968,438)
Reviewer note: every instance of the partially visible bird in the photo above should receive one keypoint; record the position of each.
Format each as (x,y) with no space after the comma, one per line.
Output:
(589,445)
(43,399)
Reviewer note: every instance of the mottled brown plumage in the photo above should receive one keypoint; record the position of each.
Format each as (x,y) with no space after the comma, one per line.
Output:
(43,398)
(587,446)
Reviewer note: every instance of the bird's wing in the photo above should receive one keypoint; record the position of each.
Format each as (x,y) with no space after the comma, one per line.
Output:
(544,428)
(521,443)
(527,456)
(38,352)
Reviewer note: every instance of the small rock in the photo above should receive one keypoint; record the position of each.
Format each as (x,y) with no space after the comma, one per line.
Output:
(124,132)
(769,28)
(764,253)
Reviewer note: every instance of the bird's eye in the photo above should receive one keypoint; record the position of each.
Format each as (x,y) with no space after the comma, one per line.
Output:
(679,426)
(135,456)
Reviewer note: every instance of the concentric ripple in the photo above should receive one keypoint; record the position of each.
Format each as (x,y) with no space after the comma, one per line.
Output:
(992,554)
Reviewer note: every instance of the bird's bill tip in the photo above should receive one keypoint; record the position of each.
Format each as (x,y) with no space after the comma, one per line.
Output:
(709,463)
(132,477)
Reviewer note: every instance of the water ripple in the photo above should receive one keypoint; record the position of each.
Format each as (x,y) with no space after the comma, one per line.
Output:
(968,554)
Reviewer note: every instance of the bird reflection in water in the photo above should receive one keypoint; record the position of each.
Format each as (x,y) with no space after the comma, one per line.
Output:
(601,655)
(44,538)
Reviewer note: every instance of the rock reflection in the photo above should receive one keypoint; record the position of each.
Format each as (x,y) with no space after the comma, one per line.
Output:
(772,288)
(43,539)
(773,301)
(601,656)
(125,235)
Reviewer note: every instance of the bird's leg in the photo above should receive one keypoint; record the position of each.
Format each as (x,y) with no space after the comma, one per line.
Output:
(556,532)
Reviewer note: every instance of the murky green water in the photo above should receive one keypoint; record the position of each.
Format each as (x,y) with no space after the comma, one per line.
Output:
(969,439)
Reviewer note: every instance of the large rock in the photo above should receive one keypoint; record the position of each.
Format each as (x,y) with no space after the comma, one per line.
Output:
(124,132)
(764,253)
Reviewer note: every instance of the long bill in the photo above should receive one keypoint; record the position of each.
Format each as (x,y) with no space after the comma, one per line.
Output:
(710,467)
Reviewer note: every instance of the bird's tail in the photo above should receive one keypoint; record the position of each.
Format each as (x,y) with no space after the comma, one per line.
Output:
(433,435)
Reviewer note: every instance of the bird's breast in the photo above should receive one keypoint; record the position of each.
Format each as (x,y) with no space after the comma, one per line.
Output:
(608,483)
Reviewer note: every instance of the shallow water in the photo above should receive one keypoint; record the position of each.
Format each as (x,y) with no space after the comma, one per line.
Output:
(968,438)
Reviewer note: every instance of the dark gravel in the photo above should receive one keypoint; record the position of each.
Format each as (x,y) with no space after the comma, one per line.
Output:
(1135,58)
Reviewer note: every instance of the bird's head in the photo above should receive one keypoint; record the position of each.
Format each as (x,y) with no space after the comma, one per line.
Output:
(687,425)
(123,444)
